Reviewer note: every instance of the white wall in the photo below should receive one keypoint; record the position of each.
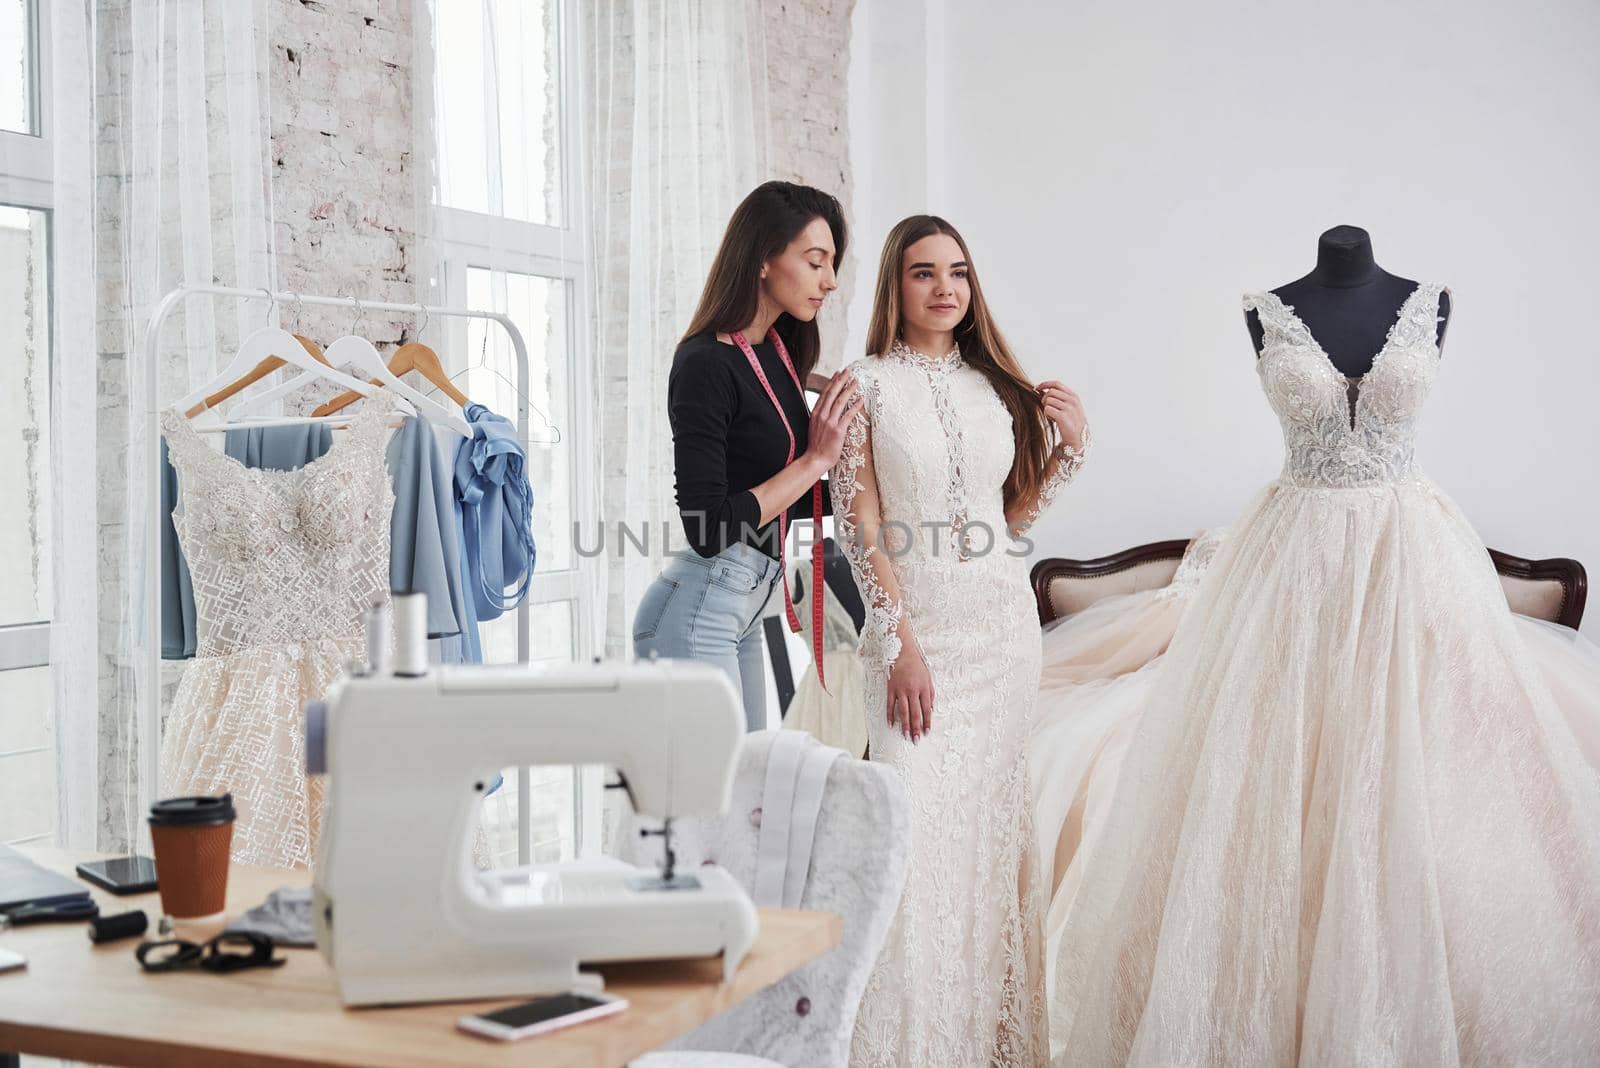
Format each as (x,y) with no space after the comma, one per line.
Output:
(1123,172)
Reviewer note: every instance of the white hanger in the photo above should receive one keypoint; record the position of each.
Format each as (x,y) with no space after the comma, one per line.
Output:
(349,349)
(360,353)
(272,341)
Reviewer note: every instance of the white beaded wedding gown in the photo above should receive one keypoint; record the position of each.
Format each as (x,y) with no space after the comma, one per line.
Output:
(1099,666)
(282,562)
(960,979)
(1357,817)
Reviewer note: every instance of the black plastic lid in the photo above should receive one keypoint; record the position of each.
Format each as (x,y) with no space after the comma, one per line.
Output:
(192,811)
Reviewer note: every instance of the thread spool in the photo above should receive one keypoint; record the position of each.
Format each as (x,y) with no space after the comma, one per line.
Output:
(410,634)
(376,621)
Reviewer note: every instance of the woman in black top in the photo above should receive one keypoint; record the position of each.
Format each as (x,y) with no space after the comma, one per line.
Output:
(747,453)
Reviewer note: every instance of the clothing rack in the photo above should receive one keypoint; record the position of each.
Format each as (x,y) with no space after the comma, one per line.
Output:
(149,727)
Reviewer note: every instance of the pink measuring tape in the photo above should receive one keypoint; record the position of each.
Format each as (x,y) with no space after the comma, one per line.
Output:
(783,516)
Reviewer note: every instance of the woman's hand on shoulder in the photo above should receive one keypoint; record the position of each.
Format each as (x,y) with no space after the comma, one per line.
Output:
(839,404)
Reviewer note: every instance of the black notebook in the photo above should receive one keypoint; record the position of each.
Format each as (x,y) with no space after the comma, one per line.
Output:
(23,882)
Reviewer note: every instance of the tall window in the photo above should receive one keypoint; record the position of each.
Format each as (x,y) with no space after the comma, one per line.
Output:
(27,743)
(510,214)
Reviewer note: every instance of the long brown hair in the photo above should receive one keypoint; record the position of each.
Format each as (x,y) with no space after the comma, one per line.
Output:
(761,227)
(981,345)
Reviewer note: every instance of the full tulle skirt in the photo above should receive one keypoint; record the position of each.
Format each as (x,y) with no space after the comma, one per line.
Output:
(1348,814)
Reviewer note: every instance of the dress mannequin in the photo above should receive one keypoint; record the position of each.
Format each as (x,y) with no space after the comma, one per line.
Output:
(1347,302)
(836,573)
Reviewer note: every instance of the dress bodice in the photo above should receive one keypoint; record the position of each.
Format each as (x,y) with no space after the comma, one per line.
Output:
(283,556)
(943,446)
(1341,432)
(938,453)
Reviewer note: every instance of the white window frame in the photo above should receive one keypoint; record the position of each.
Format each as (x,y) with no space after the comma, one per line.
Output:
(27,173)
(27,180)
(471,240)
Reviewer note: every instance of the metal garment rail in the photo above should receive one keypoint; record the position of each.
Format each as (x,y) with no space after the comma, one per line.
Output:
(149,727)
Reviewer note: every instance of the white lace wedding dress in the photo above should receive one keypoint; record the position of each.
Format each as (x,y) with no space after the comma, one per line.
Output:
(282,562)
(1099,666)
(960,979)
(1358,818)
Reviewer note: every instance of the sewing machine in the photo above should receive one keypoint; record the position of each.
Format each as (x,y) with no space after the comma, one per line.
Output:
(400,912)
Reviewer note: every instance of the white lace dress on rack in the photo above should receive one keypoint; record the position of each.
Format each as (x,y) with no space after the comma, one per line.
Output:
(960,978)
(282,562)
(1358,819)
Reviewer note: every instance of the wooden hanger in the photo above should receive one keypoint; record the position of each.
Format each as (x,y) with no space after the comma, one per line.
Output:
(256,374)
(412,356)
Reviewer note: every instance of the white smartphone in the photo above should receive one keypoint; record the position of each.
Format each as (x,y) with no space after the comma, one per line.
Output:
(542,1014)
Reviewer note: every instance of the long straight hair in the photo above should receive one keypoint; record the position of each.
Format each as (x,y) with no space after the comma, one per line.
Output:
(761,227)
(982,346)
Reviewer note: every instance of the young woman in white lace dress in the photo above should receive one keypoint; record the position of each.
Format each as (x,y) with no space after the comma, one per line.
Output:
(953,452)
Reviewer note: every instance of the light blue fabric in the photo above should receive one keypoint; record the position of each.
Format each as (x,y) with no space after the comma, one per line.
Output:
(278,448)
(711,610)
(424,554)
(496,508)
(464,648)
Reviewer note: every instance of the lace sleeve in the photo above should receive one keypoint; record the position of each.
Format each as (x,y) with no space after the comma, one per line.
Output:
(1064,467)
(857,515)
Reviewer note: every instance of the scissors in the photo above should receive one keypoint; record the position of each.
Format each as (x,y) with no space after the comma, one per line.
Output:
(73,909)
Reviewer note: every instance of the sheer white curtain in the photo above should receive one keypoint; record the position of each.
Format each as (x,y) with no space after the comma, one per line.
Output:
(75,636)
(181,194)
(677,92)
(500,227)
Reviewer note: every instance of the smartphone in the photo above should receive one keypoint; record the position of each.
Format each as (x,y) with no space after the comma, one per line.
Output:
(542,1014)
(121,875)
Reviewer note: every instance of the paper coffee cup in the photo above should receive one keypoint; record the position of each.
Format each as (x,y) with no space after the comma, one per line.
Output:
(192,837)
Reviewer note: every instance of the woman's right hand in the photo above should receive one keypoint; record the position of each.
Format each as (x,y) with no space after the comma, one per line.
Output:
(838,405)
(910,693)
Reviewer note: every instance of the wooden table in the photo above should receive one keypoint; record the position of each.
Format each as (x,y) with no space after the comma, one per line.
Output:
(83,1002)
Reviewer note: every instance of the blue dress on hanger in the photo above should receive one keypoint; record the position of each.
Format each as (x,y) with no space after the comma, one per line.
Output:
(494,516)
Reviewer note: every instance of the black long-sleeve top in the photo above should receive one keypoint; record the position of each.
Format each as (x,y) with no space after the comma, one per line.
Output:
(727,438)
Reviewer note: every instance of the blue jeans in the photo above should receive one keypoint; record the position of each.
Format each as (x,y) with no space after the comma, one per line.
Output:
(710,610)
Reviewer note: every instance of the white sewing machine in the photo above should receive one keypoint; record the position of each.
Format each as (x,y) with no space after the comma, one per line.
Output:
(401,914)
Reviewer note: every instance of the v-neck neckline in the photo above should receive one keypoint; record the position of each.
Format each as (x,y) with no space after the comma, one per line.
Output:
(1355,387)
(1388,339)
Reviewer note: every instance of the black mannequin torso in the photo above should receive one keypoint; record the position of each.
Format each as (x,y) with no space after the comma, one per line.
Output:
(1347,302)
(836,573)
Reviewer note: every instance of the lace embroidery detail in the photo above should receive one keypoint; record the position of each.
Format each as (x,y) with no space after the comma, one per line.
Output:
(1068,462)
(1338,434)
(1197,557)
(880,636)
(938,370)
